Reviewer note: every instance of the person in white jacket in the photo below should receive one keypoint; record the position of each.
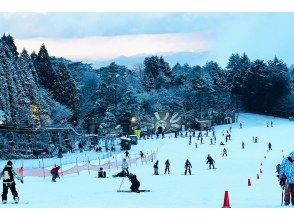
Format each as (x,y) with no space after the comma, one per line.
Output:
(125,166)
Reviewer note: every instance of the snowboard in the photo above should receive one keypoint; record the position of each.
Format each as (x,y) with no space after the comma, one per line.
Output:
(129,191)
(15,203)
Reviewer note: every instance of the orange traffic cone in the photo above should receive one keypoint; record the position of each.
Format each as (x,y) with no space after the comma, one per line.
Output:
(226,200)
(249,182)
(260,170)
(257,176)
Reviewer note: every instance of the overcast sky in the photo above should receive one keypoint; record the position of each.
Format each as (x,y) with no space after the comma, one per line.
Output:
(103,36)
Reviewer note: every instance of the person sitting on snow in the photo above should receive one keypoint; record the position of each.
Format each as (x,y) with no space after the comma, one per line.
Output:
(101,173)
(286,177)
(54,173)
(135,183)
(121,174)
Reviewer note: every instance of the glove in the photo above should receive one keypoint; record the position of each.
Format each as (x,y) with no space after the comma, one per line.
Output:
(282,182)
(21,181)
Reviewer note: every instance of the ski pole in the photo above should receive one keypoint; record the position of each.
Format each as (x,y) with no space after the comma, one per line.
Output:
(121,183)
(282,196)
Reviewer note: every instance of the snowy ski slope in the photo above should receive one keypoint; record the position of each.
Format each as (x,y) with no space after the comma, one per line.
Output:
(204,189)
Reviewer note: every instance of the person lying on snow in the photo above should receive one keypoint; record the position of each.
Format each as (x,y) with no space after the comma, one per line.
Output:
(8,175)
(123,173)
(135,183)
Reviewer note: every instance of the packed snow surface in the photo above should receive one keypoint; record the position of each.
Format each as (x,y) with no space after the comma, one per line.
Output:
(205,188)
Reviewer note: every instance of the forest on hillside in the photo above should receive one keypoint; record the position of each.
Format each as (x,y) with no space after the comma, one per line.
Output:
(40,90)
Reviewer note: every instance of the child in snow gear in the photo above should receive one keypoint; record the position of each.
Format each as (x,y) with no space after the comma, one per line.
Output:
(155,166)
(54,173)
(8,175)
(125,166)
(210,161)
(101,173)
(225,152)
(167,164)
(135,183)
(287,172)
(188,167)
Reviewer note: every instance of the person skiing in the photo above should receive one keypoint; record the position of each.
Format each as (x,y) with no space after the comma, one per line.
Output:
(101,173)
(272,124)
(225,152)
(270,146)
(240,125)
(167,164)
(54,173)
(125,166)
(286,178)
(188,167)
(210,161)
(155,166)
(243,145)
(127,154)
(141,154)
(190,139)
(8,174)
(211,143)
(135,183)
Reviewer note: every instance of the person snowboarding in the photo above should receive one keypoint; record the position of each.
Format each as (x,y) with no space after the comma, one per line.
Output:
(221,143)
(270,146)
(167,164)
(286,178)
(225,152)
(8,174)
(188,167)
(210,161)
(125,166)
(141,154)
(101,173)
(135,183)
(127,154)
(54,173)
(155,166)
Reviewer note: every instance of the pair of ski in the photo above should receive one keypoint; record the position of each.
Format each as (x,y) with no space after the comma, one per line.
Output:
(139,191)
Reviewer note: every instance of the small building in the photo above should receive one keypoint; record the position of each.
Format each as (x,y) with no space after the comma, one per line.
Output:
(203,125)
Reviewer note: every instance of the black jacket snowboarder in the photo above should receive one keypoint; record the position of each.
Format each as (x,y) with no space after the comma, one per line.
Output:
(135,183)
(8,175)
(188,167)
(210,161)
(167,164)
(155,166)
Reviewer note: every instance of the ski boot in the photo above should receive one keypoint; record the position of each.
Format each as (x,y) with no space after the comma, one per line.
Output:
(16,200)
(4,201)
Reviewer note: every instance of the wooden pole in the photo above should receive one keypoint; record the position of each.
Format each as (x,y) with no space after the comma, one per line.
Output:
(43,168)
(61,167)
(77,166)
(88,165)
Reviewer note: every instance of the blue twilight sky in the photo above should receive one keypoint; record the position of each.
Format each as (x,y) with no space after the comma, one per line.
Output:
(184,37)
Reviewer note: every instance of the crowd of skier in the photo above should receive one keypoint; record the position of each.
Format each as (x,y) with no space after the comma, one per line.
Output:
(285,170)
